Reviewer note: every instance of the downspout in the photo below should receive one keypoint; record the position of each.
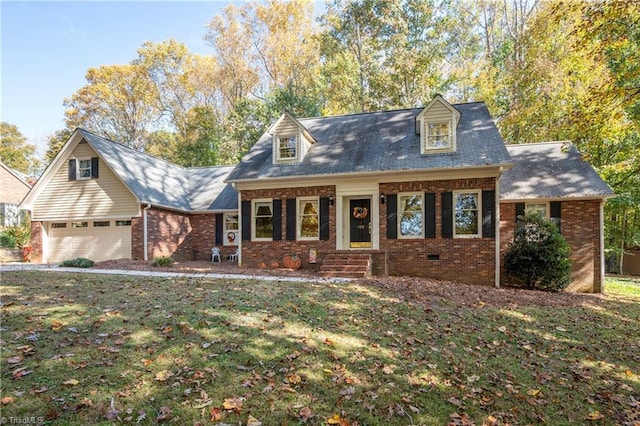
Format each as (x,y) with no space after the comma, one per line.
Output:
(233,185)
(145,241)
(497,231)
(601,290)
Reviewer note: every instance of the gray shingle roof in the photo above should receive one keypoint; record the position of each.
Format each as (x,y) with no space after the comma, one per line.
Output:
(550,170)
(378,142)
(165,184)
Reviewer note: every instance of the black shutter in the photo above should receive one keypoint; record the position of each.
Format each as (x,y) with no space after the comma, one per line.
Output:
(219,229)
(519,211)
(392,215)
(277,220)
(291,219)
(246,220)
(72,169)
(554,213)
(324,218)
(488,214)
(429,215)
(447,215)
(94,167)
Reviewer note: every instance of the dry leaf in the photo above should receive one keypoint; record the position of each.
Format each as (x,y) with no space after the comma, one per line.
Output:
(233,404)
(71,382)
(216,414)
(163,375)
(164,414)
(56,325)
(6,400)
(388,369)
(252,421)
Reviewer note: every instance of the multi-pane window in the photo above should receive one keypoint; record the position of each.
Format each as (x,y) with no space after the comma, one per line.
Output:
(411,215)
(438,136)
(263,219)
(101,224)
(287,148)
(58,225)
(80,224)
(467,213)
(84,169)
(308,219)
(231,228)
(123,223)
(539,208)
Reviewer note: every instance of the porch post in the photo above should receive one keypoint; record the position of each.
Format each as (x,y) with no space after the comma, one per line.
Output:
(497,232)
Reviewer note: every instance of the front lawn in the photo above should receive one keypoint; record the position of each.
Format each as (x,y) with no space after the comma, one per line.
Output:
(85,349)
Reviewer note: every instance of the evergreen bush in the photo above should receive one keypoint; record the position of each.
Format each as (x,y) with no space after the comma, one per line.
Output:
(162,261)
(78,262)
(538,256)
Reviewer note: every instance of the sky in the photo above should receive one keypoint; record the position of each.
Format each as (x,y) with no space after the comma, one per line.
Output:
(48,46)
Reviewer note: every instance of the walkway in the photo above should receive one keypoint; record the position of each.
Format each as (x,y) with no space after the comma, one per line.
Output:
(10,267)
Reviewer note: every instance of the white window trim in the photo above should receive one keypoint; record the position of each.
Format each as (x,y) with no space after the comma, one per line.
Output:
(276,142)
(299,236)
(78,174)
(253,218)
(400,211)
(478,192)
(426,149)
(547,208)
(226,230)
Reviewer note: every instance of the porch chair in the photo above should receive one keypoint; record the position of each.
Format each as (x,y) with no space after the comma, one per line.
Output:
(215,253)
(233,257)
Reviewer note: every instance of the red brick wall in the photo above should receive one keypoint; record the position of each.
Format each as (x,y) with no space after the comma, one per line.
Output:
(580,225)
(178,235)
(269,254)
(36,241)
(469,260)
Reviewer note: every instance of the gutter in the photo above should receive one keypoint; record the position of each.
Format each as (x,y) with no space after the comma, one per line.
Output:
(145,236)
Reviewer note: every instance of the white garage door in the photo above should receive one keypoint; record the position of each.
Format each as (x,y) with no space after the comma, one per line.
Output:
(97,240)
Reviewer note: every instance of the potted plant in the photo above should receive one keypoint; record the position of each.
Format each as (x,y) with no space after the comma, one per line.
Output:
(292,261)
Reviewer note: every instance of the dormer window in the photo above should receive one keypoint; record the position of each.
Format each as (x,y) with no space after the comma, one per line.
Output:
(287,147)
(437,124)
(84,169)
(438,135)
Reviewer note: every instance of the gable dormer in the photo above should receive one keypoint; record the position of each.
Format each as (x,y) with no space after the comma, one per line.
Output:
(436,124)
(291,140)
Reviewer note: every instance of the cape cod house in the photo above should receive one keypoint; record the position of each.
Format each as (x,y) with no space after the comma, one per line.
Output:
(430,192)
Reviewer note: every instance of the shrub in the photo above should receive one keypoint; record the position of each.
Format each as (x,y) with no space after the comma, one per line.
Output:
(162,261)
(19,235)
(78,262)
(8,241)
(538,256)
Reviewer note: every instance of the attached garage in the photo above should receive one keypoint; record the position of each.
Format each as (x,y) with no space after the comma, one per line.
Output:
(98,240)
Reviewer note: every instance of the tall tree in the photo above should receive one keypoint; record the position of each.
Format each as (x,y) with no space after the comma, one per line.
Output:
(55,142)
(116,102)
(15,152)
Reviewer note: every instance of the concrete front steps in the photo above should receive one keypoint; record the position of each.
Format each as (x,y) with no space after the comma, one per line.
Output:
(346,264)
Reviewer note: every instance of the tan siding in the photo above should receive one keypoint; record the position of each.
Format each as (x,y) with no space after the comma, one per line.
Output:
(287,127)
(105,196)
(437,113)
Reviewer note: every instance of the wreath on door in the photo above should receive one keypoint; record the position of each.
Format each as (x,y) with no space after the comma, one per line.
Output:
(360,212)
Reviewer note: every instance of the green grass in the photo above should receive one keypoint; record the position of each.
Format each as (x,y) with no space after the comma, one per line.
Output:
(85,349)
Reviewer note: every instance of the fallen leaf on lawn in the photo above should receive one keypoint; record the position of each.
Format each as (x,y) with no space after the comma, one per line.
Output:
(216,414)
(533,392)
(595,415)
(233,404)
(56,325)
(328,341)
(629,373)
(388,369)
(163,375)
(167,329)
(252,421)
(71,382)
(85,402)
(293,378)
(305,413)
(502,329)
(6,400)
(164,414)
(14,359)
(20,372)
(337,420)
(147,361)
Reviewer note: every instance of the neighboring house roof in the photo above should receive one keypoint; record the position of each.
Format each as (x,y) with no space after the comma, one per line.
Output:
(379,142)
(159,182)
(16,188)
(550,170)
